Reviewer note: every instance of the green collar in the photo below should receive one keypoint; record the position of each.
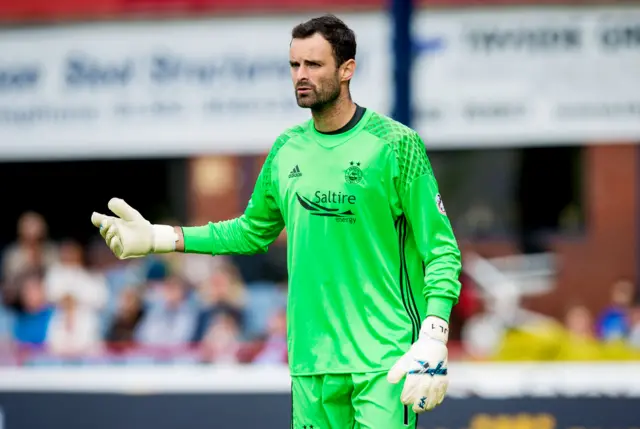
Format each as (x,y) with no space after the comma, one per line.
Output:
(333,140)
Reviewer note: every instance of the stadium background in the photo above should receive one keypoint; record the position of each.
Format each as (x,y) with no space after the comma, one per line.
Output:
(531,114)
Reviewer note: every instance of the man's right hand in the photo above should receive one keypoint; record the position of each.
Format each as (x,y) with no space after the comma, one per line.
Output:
(130,235)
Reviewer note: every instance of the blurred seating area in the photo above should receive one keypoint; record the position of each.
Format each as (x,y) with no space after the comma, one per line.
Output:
(68,304)
(500,330)
(611,336)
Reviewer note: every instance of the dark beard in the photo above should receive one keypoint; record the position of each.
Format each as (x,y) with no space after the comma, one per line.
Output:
(320,101)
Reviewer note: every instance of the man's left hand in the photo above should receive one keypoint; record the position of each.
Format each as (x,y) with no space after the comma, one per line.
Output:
(425,367)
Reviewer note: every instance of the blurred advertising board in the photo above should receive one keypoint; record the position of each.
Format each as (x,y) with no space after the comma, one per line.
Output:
(483,396)
(528,76)
(163,88)
(222,85)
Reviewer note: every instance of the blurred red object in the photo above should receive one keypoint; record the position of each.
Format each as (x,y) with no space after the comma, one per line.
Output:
(56,10)
(46,10)
(469,303)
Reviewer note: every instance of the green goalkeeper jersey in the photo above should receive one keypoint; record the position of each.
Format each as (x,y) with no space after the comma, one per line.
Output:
(371,251)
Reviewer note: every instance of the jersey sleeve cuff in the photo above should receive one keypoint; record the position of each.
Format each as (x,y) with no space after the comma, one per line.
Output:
(440,307)
(197,239)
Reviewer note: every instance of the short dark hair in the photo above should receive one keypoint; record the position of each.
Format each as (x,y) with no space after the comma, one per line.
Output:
(341,38)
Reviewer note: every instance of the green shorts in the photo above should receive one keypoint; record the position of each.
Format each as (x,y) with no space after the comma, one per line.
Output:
(348,401)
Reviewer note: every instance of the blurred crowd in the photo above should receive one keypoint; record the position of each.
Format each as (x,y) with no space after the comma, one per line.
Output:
(63,302)
(613,334)
(67,303)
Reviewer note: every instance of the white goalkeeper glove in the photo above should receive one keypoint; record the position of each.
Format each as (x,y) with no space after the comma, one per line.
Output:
(129,235)
(425,367)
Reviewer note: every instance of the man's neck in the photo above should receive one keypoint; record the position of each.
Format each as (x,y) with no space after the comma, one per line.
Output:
(335,116)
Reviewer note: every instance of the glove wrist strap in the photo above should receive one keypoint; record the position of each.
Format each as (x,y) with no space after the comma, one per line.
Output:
(164,239)
(435,328)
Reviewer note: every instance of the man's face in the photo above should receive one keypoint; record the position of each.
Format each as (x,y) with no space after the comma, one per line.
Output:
(316,78)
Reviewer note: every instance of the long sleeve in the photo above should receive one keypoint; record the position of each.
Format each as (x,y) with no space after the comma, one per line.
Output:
(252,232)
(423,207)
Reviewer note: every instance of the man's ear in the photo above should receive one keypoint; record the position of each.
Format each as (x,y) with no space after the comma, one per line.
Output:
(347,70)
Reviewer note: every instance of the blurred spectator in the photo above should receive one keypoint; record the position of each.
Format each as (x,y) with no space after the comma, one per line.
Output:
(538,340)
(264,299)
(129,314)
(613,323)
(222,340)
(117,274)
(194,268)
(33,312)
(275,347)
(634,331)
(225,292)
(579,322)
(69,276)
(170,319)
(31,250)
(74,330)
(581,342)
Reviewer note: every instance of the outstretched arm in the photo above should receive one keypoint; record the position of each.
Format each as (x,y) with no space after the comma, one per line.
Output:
(130,235)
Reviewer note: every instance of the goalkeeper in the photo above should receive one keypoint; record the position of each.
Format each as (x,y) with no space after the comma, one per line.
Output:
(373,262)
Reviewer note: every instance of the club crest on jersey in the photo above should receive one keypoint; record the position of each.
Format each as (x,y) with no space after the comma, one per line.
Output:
(440,204)
(353,174)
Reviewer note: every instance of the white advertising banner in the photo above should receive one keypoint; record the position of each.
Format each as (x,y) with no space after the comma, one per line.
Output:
(527,76)
(163,88)
(493,77)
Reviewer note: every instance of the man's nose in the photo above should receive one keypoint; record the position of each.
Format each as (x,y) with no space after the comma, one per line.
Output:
(302,74)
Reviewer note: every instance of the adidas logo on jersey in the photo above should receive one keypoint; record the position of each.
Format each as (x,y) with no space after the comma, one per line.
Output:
(295,172)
